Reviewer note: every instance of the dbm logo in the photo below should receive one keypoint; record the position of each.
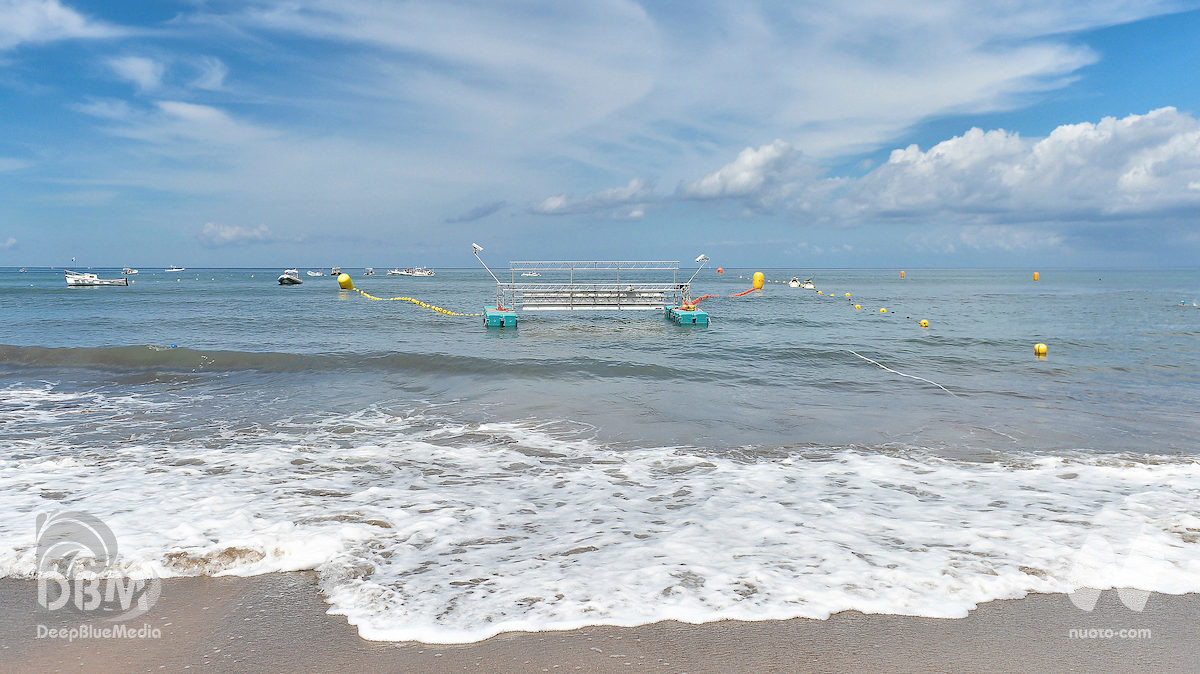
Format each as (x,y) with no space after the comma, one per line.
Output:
(76,554)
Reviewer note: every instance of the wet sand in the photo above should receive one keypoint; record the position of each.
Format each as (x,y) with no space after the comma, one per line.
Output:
(278,622)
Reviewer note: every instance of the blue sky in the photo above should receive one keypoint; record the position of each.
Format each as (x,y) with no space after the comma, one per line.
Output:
(800,134)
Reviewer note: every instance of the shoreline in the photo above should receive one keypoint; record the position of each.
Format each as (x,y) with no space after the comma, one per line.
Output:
(279,621)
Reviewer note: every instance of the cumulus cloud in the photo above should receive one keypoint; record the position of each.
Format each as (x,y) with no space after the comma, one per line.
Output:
(750,174)
(478,213)
(1117,168)
(633,195)
(8,244)
(214,234)
(146,73)
(35,21)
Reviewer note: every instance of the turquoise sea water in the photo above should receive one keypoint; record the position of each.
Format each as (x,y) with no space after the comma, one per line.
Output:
(450,481)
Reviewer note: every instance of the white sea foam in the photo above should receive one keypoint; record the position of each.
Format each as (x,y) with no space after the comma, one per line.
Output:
(426,528)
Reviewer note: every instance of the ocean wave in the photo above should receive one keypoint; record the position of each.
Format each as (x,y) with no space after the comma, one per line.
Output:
(430,527)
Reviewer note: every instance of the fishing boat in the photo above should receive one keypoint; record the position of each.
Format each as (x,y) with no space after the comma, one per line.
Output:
(369,271)
(335,271)
(175,268)
(128,271)
(394,272)
(75,279)
(313,273)
(417,271)
(530,273)
(290,277)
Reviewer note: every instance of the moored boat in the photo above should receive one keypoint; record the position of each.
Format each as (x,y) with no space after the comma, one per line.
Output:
(175,268)
(129,271)
(416,271)
(290,277)
(335,271)
(75,279)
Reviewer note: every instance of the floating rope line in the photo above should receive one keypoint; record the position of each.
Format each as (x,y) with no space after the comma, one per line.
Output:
(419,303)
(904,375)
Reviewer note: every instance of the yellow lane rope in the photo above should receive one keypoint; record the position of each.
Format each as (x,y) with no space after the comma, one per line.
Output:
(419,303)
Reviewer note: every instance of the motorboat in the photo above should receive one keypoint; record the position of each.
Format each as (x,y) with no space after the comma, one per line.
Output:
(290,277)
(128,271)
(369,271)
(77,279)
(335,271)
(22,270)
(417,271)
(795,282)
(175,268)
(530,273)
(808,285)
(313,273)
(393,272)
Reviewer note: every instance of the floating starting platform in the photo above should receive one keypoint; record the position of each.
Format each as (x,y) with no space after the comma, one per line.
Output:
(593,285)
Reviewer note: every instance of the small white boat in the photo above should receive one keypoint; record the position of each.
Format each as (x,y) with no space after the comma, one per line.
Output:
(417,271)
(128,271)
(290,277)
(393,272)
(530,273)
(808,285)
(335,271)
(22,270)
(313,273)
(795,282)
(76,279)
(369,271)
(175,268)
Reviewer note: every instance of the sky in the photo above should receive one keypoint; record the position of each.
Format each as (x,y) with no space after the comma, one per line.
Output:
(805,134)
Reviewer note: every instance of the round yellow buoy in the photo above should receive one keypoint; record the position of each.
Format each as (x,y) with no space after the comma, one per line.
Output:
(847,294)
(758,280)
(883,310)
(1035,276)
(344,282)
(820,293)
(857,307)
(924,323)
(901,273)
(1039,349)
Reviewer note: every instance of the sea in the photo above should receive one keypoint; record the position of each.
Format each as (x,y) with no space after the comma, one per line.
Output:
(446,482)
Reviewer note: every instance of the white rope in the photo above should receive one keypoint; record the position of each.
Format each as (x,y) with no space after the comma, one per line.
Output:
(904,375)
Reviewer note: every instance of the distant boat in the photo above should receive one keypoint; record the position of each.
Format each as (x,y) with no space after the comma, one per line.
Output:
(313,273)
(76,279)
(530,273)
(335,271)
(417,271)
(369,271)
(128,272)
(290,277)
(808,285)
(795,282)
(394,272)
(176,268)
(22,270)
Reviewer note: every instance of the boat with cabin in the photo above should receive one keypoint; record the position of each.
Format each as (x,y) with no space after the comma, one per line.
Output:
(290,277)
(76,279)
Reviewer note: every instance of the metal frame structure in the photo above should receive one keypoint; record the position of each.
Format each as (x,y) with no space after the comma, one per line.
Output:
(595,285)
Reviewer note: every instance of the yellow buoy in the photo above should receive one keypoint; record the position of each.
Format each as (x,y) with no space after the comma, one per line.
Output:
(883,310)
(758,280)
(924,323)
(1039,350)
(820,293)
(857,307)
(1035,276)
(901,273)
(847,294)
(344,282)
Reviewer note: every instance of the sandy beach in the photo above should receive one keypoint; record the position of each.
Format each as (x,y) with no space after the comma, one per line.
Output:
(278,622)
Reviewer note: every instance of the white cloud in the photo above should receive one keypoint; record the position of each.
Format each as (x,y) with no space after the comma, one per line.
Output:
(11,164)
(634,194)
(35,21)
(8,244)
(212,73)
(224,235)
(146,73)
(748,175)
(1129,167)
